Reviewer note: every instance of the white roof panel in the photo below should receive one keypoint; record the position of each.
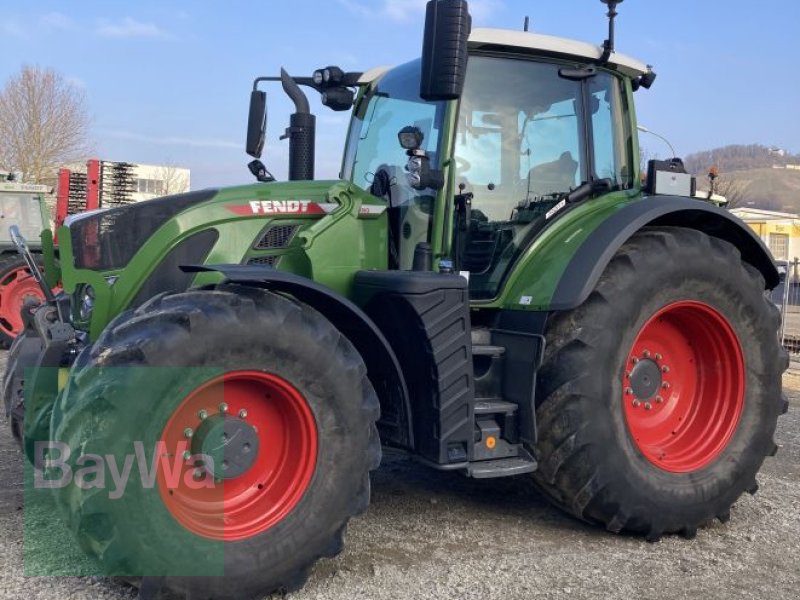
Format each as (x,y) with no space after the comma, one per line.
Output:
(554,45)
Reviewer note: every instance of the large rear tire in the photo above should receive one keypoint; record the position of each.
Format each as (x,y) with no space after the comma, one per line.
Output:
(659,396)
(287,393)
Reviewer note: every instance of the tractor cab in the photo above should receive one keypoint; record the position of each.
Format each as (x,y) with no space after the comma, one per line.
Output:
(537,119)
(23,205)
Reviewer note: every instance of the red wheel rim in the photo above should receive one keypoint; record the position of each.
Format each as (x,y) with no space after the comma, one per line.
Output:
(683,387)
(282,467)
(16,288)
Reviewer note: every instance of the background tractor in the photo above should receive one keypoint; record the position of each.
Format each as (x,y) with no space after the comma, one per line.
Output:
(23,205)
(487,287)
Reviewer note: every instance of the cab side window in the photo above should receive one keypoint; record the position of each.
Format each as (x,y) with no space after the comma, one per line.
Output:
(611,131)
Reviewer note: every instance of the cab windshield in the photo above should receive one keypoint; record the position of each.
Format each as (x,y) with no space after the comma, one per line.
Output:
(375,161)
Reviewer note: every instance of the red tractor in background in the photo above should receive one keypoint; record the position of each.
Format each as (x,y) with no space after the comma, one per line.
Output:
(23,205)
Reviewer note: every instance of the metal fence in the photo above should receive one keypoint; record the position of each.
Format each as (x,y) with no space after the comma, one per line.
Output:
(787,297)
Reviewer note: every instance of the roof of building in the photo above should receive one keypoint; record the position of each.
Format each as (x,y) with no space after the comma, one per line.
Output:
(552,45)
(761,214)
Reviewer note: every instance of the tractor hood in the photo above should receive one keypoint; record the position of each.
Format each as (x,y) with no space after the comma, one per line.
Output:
(107,239)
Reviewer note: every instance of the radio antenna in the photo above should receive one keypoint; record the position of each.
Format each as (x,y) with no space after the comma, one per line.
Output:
(608,45)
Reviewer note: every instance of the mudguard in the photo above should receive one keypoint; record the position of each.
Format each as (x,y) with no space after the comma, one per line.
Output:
(592,257)
(382,364)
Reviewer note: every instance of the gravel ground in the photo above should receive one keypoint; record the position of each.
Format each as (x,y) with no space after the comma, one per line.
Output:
(431,535)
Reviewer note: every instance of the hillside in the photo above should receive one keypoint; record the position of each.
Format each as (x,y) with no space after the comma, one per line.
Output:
(751,175)
(739,157)
(771,189)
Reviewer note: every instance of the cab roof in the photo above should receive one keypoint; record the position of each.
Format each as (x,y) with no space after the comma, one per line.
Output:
(486,38)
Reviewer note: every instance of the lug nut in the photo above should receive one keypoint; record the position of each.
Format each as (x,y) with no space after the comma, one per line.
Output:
(202,415)
(658,356)
(243,414)
(223,408)
(187,456)
(188,433)
(646,354)
(659,400)
(665,369)
(636,404)
(628,374)
(198,474)
(648,406)
(665,385)
(635,360)
(629,391)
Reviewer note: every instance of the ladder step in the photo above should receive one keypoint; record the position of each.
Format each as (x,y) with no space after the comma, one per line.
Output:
(504,467)
(487,350)
(493,407)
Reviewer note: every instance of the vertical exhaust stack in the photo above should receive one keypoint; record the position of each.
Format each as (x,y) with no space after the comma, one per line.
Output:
(301,132)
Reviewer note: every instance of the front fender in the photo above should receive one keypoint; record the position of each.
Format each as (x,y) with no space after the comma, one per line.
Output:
(383,368)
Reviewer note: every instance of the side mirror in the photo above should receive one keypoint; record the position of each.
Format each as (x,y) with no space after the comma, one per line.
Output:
(444,49)
(257,124)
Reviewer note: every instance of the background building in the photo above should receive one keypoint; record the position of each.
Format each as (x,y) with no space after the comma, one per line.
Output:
(106,184)
(153,181)
(779,230)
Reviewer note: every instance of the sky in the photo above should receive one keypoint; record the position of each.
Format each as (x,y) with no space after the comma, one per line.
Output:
(169,81)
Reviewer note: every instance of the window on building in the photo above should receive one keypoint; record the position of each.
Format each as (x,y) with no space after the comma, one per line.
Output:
(150,186)
(779,245)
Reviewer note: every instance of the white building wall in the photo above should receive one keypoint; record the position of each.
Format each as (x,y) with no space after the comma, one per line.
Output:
(153,181)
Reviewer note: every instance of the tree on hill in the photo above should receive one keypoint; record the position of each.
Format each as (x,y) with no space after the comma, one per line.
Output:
(44,124)
(738,158)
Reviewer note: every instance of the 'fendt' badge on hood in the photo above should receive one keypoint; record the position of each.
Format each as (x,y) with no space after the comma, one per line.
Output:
(282,207)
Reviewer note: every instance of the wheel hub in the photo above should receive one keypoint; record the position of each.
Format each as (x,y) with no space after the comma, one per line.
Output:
(645,379)
(230,443)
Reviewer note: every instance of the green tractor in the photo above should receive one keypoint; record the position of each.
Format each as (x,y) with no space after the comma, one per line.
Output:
(486,287)
(23,205)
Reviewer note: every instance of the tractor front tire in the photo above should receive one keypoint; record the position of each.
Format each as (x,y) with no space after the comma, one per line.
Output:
(265,386)
(658,398)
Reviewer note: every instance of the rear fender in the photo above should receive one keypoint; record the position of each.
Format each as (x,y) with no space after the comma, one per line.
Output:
(591,260)
(559,271)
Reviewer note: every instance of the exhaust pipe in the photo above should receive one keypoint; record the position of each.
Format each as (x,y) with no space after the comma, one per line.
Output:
(301,132)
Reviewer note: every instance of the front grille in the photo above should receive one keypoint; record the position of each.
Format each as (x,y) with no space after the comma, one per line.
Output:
(270,261)
(277,236)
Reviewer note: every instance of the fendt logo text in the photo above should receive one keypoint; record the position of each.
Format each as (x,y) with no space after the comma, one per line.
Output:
(281,207)
(269,207)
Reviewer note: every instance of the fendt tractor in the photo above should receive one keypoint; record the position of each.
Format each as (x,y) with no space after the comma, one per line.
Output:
(23,205)
(488,286)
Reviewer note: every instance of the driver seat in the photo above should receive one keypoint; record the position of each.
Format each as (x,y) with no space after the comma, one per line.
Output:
(554,177)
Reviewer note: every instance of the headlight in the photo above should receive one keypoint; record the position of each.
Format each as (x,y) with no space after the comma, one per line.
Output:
(86,305)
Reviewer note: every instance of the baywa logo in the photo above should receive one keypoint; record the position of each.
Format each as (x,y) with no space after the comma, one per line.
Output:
(107,472)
